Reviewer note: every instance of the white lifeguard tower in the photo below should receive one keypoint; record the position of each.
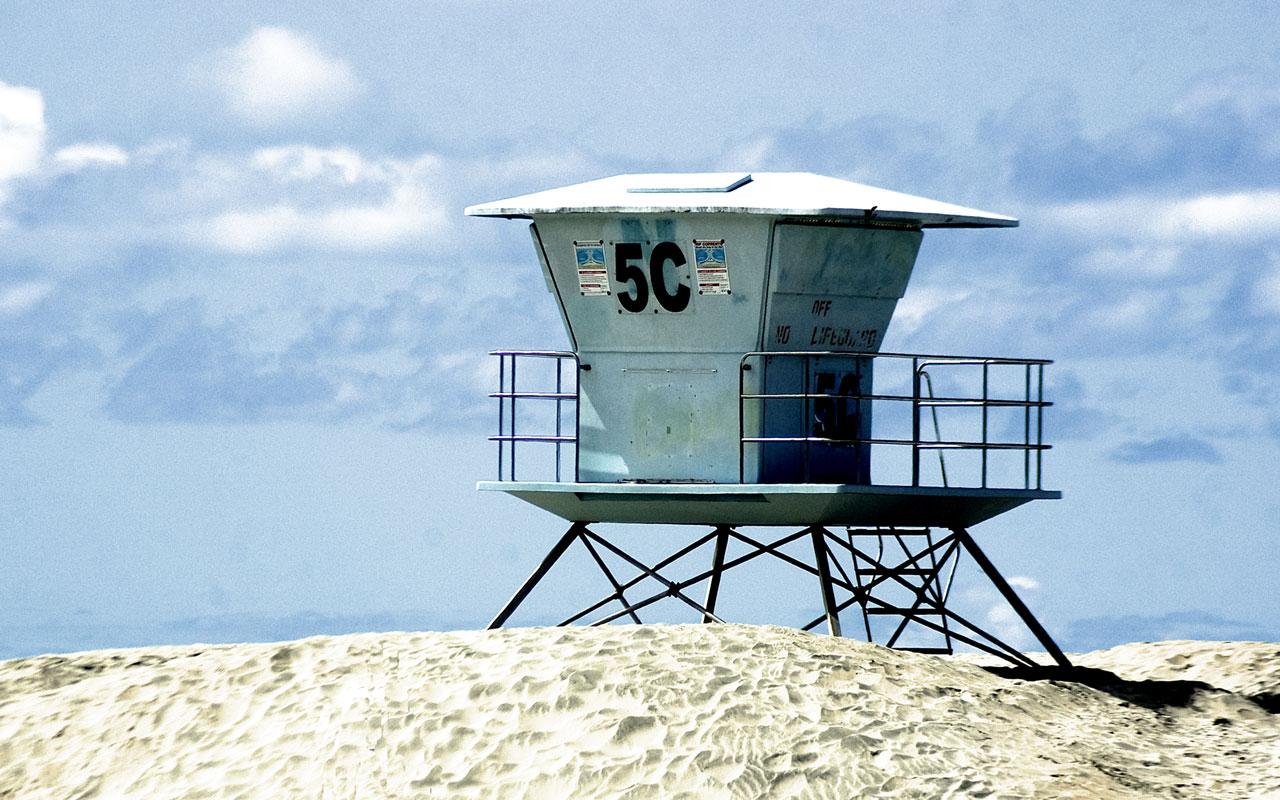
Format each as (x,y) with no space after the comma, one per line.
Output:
(725,372)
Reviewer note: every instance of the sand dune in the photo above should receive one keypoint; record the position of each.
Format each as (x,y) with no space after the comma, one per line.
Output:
(634,712)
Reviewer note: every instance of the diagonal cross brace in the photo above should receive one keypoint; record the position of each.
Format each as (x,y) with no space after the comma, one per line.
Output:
(951,546)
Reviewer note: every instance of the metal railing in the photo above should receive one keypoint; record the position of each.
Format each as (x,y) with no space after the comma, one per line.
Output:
(559,392)
(1032,404)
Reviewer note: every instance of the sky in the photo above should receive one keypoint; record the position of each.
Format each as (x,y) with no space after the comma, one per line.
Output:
(244,322)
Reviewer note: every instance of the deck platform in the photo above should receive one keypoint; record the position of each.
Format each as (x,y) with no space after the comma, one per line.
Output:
(769,504)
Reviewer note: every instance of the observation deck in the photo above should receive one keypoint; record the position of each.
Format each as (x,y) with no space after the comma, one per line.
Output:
(953,441)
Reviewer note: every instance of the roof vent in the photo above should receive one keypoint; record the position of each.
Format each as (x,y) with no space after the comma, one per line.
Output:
(688,182)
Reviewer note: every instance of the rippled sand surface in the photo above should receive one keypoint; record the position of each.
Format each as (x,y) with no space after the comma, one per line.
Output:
(696,711)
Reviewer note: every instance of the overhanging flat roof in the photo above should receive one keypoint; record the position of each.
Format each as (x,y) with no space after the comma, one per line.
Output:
(783,194)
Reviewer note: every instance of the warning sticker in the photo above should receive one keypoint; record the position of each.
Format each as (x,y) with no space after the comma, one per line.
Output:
(712,268)
(593,278)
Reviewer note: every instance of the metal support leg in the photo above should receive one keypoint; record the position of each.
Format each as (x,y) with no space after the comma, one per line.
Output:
(575,530)
(717,567)
(820,555)
(1011,597)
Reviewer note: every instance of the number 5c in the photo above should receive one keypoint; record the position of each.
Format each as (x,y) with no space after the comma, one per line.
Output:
(626,270)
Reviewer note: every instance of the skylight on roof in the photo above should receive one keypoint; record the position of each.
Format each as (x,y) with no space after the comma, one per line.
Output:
(687,182)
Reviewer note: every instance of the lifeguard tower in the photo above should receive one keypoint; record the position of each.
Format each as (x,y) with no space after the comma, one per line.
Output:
(726,372)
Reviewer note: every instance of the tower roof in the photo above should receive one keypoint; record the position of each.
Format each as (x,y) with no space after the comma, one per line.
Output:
(783,194)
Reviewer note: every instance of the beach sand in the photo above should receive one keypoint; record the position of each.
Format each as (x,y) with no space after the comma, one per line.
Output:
(664,711)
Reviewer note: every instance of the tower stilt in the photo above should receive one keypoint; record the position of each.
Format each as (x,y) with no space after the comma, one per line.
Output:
(548,562)
(717,569)
(908,587)
(1011,597)
(820,555)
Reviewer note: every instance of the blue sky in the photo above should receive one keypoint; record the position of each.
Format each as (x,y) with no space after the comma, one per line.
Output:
(243,320)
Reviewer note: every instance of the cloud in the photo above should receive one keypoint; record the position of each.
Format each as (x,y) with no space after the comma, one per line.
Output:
(275,75)
(1005,623)
(40,338)
(418,357)
(190,370)
(22,133)
(922,302)
(277,228)
(406,216)
(1243,216)
(301,163)
(387,203)
(1166,449)
(19,297)
(167,284)
(90,154)
(1024,582)
(1219,134)
(412,358)
(881,150)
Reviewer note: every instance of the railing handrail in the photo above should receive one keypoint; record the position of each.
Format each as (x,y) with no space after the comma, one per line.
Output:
(934,445)
(1032,398)
(536,353)
(507,399)
(941,402)
(975,360)
(919,364)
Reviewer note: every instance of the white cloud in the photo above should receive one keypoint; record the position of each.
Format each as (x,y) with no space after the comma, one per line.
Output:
(1008,626)
(90,154)
(1237,215)
(1250,215)
(275,75)
(920,303)
(17,299)
(1024,582)
(406,208)
(22,132)
(305,163)
(408,215)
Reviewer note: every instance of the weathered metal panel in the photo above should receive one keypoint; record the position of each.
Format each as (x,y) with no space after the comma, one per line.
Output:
(659,342)
(835,287)
(659,416)
(632,316)
(660,330)
(830,288)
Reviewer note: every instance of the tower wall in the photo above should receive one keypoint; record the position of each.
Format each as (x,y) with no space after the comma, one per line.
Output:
(661,309)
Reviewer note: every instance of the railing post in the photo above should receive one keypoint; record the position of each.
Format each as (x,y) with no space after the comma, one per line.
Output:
(808,415)
(1039,425)
(1026,431)
(559,382)
(514,391)
(577,416)
(915,422)
(742,433)
(985,368)
(502,388)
